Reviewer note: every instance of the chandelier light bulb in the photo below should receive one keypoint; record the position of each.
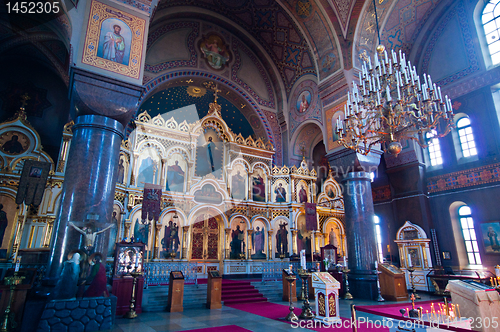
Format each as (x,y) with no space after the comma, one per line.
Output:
(389,105)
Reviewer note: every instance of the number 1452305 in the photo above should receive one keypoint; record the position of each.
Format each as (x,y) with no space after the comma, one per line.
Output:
(40,7)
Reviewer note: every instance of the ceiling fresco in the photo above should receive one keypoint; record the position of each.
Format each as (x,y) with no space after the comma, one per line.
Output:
(271,26)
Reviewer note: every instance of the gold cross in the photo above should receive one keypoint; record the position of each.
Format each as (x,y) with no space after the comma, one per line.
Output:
(177,290)
(215,93)
(24,98)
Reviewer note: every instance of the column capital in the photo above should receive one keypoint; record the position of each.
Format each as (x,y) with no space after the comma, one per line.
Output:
(99,95)
(344,161)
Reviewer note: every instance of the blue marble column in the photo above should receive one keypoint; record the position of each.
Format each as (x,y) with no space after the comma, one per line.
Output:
(360,235)
(101,107)
(89,187)
(354,170)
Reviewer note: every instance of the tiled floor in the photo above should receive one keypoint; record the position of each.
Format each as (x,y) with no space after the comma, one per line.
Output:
(203,318)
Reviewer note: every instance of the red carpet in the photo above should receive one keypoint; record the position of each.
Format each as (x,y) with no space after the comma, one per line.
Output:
(235,291)
(277,311)
(227,328)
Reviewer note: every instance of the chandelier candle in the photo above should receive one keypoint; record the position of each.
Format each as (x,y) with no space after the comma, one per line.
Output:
(389,105)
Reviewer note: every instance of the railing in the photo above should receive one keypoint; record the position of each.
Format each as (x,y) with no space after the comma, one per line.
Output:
(272,271)
(158,273)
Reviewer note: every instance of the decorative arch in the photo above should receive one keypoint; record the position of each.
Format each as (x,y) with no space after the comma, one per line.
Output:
(306,136)
(155,84)
(152,143)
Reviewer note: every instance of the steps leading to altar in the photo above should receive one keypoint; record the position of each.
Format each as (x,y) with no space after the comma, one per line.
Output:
(272,290)
(240,292)
(155,298)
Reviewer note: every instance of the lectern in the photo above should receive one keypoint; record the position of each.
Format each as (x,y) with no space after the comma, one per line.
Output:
(392,283)
(214,289)
(326,289)
(175,292)
(289,289)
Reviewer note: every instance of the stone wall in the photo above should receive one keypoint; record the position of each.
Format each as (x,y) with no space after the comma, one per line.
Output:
(87,314)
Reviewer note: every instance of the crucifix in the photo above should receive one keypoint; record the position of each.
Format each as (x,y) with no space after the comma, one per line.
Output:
(216,89)
(90,230)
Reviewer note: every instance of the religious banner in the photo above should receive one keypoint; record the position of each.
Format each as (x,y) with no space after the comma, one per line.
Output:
(311,219)
(151,202)
(32,182)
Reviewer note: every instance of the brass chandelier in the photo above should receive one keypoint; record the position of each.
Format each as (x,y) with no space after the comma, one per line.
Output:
(391,104)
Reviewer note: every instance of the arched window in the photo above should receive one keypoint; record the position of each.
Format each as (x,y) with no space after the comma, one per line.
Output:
(466,137)
(434,149)
(378,236)
(467,224)
(491,24)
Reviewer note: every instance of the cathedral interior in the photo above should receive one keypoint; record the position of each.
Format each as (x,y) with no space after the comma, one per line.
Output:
(210,133)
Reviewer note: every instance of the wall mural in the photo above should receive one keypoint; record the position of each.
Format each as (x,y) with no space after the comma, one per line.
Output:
(238,182)
(259,243)
(303,192)
(215,51)
(281,238)
(114,231)
(303,101)
(170,236)
(238,243)
(258,186)
(14,142)
(114,40)
(7,216)
(176,173)
(304,235)
(280,191)
(140,228)
(148,169)
(209,154)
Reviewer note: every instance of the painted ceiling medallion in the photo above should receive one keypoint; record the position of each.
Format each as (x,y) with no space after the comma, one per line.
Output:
(195,91)
(215,51)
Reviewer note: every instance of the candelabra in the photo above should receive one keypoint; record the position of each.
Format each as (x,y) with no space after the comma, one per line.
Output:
(413,290)
(306,308)
(291,315)
(389,105)
(8,321)
(131,313)
(347,295)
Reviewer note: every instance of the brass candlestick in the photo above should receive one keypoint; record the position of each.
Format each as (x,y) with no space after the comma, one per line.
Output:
(291,315)
(380,298)
(8,321)
(306,308)
(348,295)
(131,312)
(413,290)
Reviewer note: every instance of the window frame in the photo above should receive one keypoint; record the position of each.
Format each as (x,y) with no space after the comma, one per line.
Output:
(469,236)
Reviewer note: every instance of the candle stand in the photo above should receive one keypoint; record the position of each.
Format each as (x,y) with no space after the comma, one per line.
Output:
(348,295)
(131,313)
(306,308)
(8,321)
(291,315)
(413,290)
